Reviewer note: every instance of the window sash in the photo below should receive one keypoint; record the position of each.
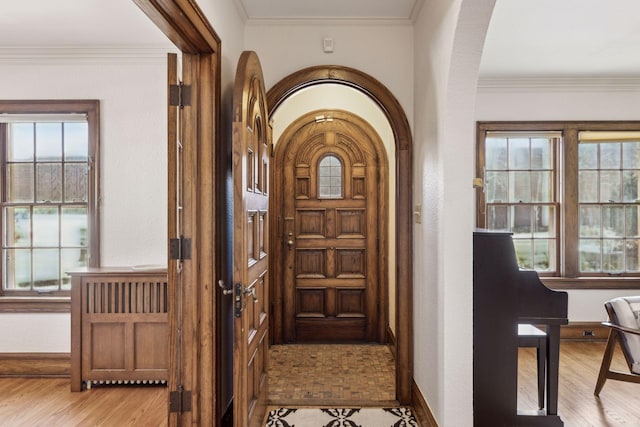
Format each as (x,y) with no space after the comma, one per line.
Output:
(62,250)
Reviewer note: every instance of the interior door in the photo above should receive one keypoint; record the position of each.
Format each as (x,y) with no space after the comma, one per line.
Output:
(251,146)
(330,223)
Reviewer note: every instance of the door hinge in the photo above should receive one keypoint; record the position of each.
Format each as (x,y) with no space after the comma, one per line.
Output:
(180,95)
(180,401)
(180,249)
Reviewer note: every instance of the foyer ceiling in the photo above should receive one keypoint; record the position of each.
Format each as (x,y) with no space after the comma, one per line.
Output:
(531,38)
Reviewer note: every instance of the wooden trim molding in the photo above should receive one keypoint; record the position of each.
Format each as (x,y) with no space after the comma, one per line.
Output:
(584,331)
(35,365)
(35,304)
(184,23)
(564,283)
(421,409)
(392,109)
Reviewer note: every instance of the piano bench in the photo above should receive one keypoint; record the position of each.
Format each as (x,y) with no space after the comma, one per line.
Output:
(530,336)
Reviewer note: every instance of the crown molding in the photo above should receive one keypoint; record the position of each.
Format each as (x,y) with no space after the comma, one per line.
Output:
(329,21)
(85,54)
(560,84)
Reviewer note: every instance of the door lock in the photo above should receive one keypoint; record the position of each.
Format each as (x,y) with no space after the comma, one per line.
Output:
(290,241)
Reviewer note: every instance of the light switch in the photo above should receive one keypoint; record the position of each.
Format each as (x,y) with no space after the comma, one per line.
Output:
(417,213)
(327,45)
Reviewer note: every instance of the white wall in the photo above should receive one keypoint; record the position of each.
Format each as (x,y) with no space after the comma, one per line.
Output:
(449,35)
(384,52)
(133,126)
(563,99)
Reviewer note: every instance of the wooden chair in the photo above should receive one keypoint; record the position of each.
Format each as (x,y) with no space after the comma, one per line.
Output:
(624,327)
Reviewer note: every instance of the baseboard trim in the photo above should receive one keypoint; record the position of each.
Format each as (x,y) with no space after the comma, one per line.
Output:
(584,331)
(391,341)
(35,365)
(421,408)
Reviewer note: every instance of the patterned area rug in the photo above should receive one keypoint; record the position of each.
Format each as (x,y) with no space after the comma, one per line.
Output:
(343,417)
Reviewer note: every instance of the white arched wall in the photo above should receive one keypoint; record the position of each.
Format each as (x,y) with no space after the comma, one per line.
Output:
(448,40)
(341,97)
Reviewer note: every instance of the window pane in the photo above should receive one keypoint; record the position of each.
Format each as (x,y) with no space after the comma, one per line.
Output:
(522,221)
(330,169)
(544,221)
(610,186)
(544,252)
(20,142)
(610,155)
(520,187)
(613,221)
(588,156)
(18,269)
(46,274)
(589,221)
(76,141)
(496,186)
(612,255)
(48,141)
(630,186)
(498,218)
(590,255)
(496,153)
(19,183)
(49,182)
(631,255)
(631,221)
(588,186)
(45,227)
(519,153)
(540,153)
(74,226)
(631,155)
(75,182)
(18,226)
(523,253)
(541,187)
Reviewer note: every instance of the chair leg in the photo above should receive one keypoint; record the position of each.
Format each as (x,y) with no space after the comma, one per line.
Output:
(606,361)
(541,354)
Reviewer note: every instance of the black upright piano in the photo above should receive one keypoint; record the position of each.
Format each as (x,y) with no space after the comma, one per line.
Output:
(503,297)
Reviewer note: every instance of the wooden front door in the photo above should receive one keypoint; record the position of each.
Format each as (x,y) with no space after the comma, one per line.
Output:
(251,146)
(329,184)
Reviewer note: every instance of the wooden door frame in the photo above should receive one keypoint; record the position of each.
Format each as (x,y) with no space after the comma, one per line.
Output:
(184,23)
(280,153)
(392,109)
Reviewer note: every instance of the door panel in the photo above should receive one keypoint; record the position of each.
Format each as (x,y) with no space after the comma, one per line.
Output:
(251,146)
(330,204)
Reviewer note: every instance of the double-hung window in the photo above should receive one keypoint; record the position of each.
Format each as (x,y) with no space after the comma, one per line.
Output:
(48,193)
(569,192)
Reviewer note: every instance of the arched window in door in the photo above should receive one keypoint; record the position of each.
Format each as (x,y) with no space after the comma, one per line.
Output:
(330,177)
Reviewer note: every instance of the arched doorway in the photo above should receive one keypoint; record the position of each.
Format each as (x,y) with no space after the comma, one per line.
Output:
(403,212)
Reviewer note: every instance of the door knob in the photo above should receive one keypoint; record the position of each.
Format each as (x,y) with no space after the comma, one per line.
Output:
(290,241)
(225,290)
(251,291)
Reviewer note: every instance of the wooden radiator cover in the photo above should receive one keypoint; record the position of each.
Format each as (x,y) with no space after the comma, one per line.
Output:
(119,326)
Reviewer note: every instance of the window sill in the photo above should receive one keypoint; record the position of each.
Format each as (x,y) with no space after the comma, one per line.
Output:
(35,304)
(564,283)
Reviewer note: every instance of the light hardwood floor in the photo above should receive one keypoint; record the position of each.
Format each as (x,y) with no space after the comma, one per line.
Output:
(48,402)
